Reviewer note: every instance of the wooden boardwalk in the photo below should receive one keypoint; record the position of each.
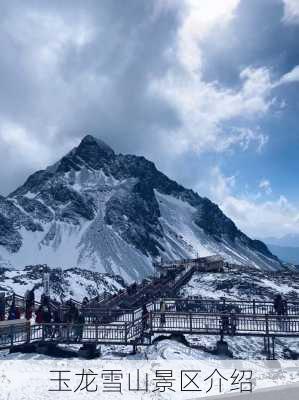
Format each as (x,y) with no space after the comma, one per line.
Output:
(130,331)
(119,319)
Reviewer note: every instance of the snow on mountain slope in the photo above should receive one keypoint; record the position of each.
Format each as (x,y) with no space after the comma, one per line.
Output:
(91,244)
(115,213)
(75,283)
(183,238)
(242,285)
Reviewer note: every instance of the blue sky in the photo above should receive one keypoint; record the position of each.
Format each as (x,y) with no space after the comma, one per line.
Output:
(207,89)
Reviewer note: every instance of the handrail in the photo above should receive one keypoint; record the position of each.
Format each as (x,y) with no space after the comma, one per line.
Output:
(156,321)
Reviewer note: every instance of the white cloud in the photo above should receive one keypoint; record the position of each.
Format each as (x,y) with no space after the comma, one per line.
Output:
(199,17)
(46,37)
(291,11)
(208,112)
(292,76)
(204,107)
(252,213)
(19,145)
(265,186)
(22,143)
(213,117)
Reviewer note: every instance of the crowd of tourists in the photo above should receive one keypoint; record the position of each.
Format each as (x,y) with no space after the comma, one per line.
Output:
(47,312)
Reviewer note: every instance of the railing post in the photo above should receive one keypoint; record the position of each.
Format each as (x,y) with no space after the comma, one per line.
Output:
(223,303)
(126,333)
(28,329)
(190,318)
(68,332)
(151,321)
(273,348)
(11,335)
(268,349)
(254,306)
(43,332)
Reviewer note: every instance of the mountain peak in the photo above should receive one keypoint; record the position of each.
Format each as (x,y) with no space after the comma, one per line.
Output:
(115,212)
(91,141)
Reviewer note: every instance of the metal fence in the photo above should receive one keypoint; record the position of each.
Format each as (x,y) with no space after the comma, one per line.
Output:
(216,306)
(228,324)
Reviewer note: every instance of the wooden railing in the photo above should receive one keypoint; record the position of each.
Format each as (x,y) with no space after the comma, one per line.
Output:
(130,332)
(238,306)
(116,333)
(227,324)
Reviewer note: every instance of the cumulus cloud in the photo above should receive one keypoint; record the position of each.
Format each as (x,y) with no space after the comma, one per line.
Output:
(197,20)
(291,11)
(251,212)
(204,107)
(213,117)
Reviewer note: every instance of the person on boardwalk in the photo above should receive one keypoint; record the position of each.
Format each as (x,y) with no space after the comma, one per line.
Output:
(233,323)
(56,322)
(14,312)
(11,313)
(278,304)
(39,315)
(145,316)
(284,307)
(162,311)
(47,317)
(78,331)
(29,304)
(17,313)
(224,324)
(2,306)
(72,314)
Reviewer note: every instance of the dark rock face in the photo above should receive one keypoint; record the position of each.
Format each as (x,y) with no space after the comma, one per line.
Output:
(91,152)
(17,218)
(34,183)
(212,220)
(141,225)
(68,203)
(35,209)
(9,237)
(92,183)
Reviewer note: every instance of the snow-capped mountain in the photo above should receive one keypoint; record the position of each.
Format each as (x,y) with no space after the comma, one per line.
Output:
(115,213)
(73,283)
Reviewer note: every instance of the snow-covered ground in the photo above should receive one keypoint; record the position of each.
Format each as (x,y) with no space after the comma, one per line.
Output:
(201,348)
(242,285)
(233,285)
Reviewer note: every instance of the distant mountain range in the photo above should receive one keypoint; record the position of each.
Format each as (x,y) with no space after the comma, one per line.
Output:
(290,240)
(286,253)
(115,213)
(286,247)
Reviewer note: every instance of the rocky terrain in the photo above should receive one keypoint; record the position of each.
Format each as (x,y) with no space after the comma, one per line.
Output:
(64,284)
(243,285)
